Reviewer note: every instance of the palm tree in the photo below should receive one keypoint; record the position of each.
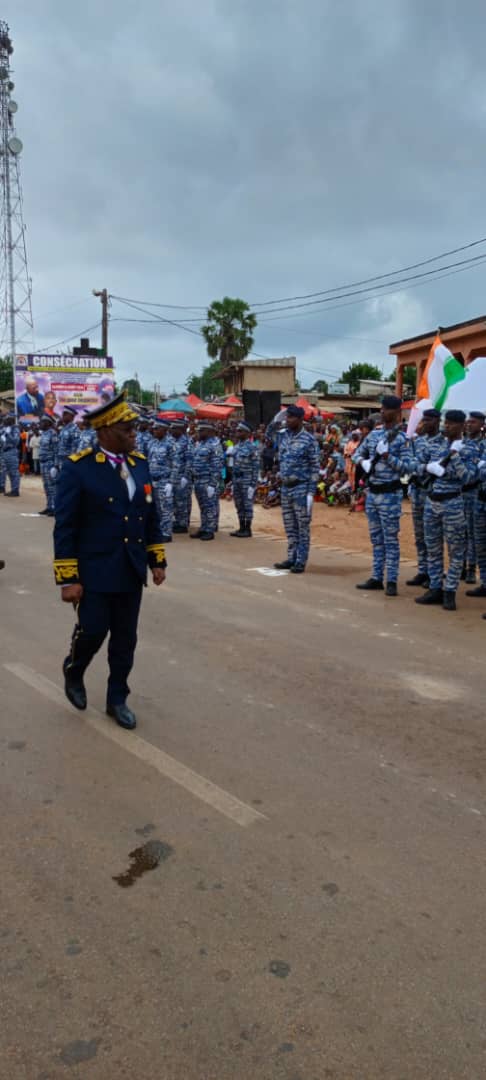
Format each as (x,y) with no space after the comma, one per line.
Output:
(228,331)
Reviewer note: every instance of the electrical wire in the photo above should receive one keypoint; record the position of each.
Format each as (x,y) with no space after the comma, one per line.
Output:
(47,349)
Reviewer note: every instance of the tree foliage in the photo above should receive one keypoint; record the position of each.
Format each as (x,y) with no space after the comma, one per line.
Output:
(320,387)
(228,330)
(205,385)
(6,374)
(356,372)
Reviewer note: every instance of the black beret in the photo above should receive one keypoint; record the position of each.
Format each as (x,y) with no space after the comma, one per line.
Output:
(391,401)
(431,414)
(456,416)
(477,416)
(296,410)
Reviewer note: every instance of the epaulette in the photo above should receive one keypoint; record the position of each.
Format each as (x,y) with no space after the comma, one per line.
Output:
(136,453)
(81,454)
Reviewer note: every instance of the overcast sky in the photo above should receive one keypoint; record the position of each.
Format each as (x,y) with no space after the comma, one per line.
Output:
(252,148)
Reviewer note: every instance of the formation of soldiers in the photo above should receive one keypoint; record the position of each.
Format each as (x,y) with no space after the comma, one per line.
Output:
(444,468)
(446,473)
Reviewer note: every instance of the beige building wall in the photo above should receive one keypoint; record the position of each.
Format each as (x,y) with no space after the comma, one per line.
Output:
(269,378)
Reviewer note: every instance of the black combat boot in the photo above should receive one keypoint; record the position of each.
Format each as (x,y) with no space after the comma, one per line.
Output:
(246,531)
(241,530)
(371,585)
(287,564)
(449,601)
(470,577)
(419,579)
(432,596)
(391,588)
(480,590)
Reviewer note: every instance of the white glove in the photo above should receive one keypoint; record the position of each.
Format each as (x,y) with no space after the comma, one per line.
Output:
(210,490)
(457,444)
(481,467)
(382,447)
(310,501)
(168,490)
(435,469)
(183,481)
(366,465)
(53,472)
(250,492)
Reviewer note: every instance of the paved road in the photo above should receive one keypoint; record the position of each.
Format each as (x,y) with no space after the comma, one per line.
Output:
(308,772)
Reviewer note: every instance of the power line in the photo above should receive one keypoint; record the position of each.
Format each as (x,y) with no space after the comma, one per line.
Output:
(67,340)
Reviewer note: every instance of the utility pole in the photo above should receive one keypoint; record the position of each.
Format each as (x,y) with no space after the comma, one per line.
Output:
(103,295)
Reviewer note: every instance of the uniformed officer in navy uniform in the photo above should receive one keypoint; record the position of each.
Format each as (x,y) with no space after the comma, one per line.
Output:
(106,533)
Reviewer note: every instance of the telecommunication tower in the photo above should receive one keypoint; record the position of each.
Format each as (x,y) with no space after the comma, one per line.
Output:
(16,324)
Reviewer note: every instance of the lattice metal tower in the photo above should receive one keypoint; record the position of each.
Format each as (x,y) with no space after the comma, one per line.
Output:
(16,324)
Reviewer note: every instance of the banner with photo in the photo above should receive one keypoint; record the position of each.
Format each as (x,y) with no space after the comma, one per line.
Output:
(45,384)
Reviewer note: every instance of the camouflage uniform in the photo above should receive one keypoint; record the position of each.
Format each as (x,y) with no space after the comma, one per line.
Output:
(48,461)
(474,450)
(207,467)
(246,465)
(10,439)
(69,436)
(384,498)
(444,518)
(163,472)
(184,451)
(298,456)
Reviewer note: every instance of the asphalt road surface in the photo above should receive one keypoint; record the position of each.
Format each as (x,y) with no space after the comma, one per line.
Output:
(281,874)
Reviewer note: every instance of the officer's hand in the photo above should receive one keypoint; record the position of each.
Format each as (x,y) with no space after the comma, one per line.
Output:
(481,467)
(53,472)
(72,594)
(168,490)
(382,447)
(365,465)
(250,492)
(158,575)
(309,502)
(183,482)
(457,444)
(210,490)
(435,468)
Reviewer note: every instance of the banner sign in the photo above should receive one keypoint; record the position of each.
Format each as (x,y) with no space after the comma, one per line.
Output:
(45,384)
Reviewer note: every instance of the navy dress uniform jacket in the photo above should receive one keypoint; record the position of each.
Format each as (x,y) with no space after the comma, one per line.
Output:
(102,539)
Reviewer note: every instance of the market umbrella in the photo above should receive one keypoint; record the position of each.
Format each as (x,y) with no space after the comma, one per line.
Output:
(176,405)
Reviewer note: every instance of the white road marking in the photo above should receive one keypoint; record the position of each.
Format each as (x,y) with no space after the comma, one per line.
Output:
(174,770)
(267,571)
(29,515)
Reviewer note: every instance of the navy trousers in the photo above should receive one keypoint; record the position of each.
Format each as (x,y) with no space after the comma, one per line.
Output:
(100,614)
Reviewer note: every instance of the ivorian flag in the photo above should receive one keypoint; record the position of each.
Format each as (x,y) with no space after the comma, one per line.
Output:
(442,371)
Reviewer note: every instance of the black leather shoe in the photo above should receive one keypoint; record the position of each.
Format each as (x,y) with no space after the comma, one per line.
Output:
(420,579)
(372,585)
(74,690)
(180,529)
(480,590)
(470,577)
(391,588)
(2,564)
(123,716)
(449,601)
(43,513)
(432,596)
(166,539)
(196,535)
(285,565)
(206,536)
(297,568)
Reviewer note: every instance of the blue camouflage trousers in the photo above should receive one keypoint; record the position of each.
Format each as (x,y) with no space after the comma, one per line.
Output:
(208,507)
(12,471)
(165,507)
(470,500)
(50,486)
(243,504)
(2,473)
(445,522)
(182,504)
(297,520)
(417,499)
(480,538)
(383,513)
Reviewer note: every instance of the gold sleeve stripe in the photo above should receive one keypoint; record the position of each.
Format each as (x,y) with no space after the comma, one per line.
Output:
(159,552)
(65,570)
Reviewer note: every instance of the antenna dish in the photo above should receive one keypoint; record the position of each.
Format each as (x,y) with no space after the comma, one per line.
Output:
(15,146)
(12,106)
